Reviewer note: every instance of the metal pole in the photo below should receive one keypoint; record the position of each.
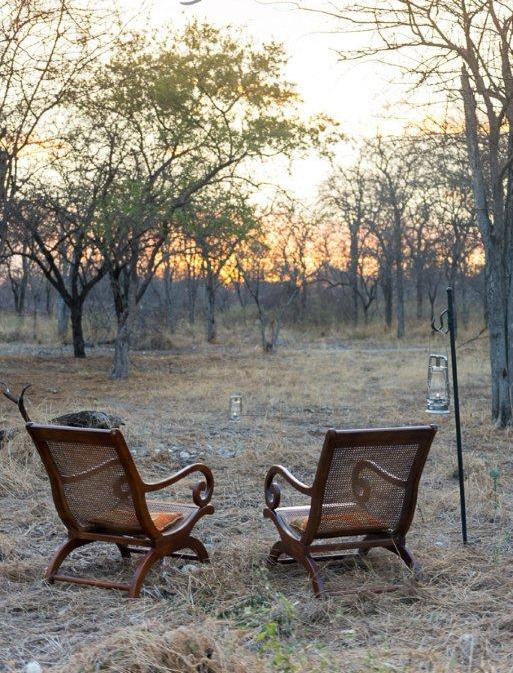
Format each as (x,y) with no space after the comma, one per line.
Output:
(452,326)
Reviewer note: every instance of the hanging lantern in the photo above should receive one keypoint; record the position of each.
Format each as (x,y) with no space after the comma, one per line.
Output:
(235,407)
(438,385)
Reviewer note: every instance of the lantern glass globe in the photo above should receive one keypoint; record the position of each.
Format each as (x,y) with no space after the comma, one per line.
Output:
(438,385)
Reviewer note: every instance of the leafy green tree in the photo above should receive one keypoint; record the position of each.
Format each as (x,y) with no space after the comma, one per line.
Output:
(194,109)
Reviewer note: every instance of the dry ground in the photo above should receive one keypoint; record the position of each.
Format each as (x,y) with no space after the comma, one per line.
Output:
(236,615)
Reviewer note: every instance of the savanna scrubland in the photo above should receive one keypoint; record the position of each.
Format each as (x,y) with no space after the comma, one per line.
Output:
(237,614)
(149,268)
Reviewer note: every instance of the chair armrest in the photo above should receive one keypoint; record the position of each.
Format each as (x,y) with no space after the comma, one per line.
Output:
(360,485)
(201,493)
(272,490)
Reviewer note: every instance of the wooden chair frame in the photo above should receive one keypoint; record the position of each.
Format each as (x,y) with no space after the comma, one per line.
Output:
(303,548)
(151,542)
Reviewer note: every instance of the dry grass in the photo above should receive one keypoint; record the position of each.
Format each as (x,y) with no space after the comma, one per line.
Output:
(236,616)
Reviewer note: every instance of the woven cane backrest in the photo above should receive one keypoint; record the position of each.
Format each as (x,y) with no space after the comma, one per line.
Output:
(367,480)
(89,475)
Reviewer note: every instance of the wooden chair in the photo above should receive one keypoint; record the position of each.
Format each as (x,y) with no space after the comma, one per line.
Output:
(100,497)
(365,488)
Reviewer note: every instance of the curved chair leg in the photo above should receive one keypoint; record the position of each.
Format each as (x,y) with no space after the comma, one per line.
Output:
(142,569)
(198,548)
(276,551)
(124,551)
(362,553)
(313,570)
(400,549)
(62,552)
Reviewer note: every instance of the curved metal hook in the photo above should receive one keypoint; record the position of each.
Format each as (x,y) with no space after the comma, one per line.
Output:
(442,327)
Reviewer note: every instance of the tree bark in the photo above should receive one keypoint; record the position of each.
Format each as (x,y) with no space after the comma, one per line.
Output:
(49,299)
(497,326)
(386,287)
(432,294)
(62,318)
(19,285)
(125,302)
(465,312)
(192,294)
(419,287)
(168,291)
(497,272)
(211,327)
(76,312)
(399,276)
(121,362)
(354,254)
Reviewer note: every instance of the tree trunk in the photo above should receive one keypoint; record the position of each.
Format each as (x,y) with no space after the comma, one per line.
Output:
(19,293)
(304,299)
(121,362)
(432,294)
(366,313)
(125,302)
(49,299)
(270,331)
(35,300)
(497,326)
(62,318)
(353,275)
(63,313)
(192,294)
(267,344)
(4,171)
(238,289)
(76,311)
(497,242)
(168,291)
(211,327)
(465,311)
(399,277)
(420,297)
(386,286)
(19,286)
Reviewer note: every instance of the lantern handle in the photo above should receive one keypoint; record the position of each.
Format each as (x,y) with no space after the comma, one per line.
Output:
(441,328)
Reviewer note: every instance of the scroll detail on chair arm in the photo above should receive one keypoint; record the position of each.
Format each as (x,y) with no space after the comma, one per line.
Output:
(272,490)
(201,493)
(361,486)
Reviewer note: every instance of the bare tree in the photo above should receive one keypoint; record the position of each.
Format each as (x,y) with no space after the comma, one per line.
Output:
(268,286)
(345,196)
(469,41)
(395,177)
(295,229)
(54,225)
(45,45)
(18,272)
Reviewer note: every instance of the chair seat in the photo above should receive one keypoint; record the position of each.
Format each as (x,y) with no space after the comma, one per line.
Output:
(336,517)
(165,515)
(187,511)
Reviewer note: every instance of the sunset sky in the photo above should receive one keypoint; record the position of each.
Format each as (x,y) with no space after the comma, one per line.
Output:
(363,97)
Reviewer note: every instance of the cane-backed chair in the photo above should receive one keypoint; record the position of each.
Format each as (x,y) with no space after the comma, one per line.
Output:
(364,491)
(100,497)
